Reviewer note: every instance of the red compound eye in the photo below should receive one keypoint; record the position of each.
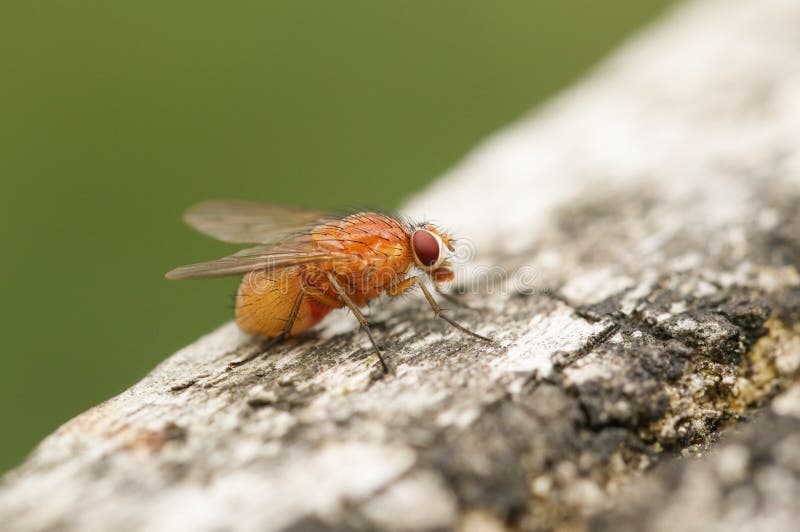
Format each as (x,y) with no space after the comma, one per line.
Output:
(426,247)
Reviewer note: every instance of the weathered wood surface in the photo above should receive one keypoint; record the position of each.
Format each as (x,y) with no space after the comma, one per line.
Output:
(648,221)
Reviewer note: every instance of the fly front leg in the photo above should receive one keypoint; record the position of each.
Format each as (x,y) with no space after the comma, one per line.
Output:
(409,282)
(359,316)
(452,299)
(443,275)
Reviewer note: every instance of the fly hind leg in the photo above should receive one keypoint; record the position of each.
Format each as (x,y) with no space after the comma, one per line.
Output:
(285,331)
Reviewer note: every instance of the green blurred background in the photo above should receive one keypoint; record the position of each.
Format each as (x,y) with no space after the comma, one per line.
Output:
(116,116)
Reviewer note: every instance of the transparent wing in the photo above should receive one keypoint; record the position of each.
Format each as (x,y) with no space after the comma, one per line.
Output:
(253,222)
(256,258)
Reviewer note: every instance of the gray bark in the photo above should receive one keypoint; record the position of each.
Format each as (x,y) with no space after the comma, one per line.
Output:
(648,221)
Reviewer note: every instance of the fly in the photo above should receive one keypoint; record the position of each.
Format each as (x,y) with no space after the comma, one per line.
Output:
(307,263)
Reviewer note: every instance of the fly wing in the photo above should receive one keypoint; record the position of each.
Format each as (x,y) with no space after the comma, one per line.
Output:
(240,222)
(266,258)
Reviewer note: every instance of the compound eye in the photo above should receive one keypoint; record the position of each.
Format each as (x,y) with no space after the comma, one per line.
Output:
(426,247)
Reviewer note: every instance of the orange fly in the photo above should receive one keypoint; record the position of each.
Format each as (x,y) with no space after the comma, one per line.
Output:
(308,263)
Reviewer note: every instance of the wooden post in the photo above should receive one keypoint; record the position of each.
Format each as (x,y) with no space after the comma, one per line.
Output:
(637,250)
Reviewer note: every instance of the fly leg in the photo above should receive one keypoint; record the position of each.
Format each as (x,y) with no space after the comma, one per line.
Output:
(287,329)
(318,295)
(442,275)
(409,282)
(359,316)
(452,299)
